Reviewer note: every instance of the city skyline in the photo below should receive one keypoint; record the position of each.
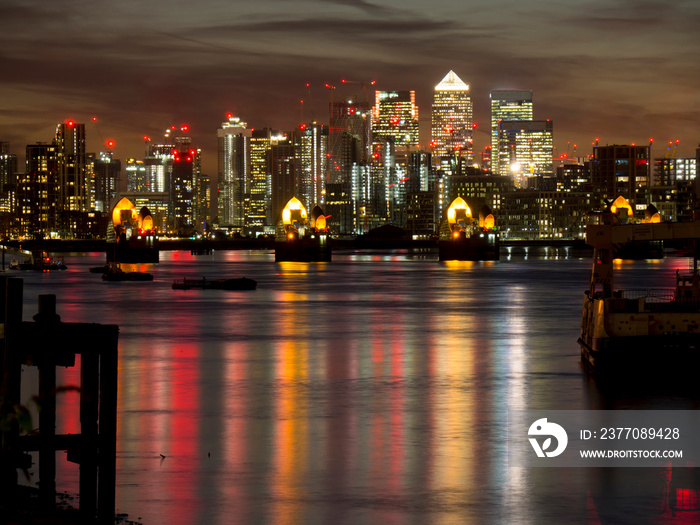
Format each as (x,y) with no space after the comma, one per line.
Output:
(618,72)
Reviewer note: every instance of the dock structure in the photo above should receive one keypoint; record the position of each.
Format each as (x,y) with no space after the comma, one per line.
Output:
(654,328)
(47,343)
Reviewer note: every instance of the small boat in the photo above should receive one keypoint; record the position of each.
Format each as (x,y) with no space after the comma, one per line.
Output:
(241,283)
(115,273)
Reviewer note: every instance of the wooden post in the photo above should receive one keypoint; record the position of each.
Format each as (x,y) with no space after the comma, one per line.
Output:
(47,318)
(10,373)
(107,459)
(89,395)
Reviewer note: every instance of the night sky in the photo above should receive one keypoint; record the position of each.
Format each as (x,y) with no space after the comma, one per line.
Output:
(622,71)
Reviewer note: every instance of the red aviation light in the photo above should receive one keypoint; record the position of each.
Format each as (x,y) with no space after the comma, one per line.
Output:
(184,127)
(70,123)
(173,128)
(147,138)
(302,127)
(229,116)
(473,125)
(192,152)
(189,159)
(177,159)
(352,111)
(94,119)
(110,143)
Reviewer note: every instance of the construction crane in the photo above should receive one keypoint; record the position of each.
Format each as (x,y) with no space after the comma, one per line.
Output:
(672,149)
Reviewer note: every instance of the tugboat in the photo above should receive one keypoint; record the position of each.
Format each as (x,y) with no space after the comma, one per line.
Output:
(624,329)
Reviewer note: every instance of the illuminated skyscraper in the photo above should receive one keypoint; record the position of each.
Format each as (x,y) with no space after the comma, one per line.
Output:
(395,115)
(348,163)
(38,192)
(311,141)
(452,119)
(234,172)
(107,172)
(507,105)
(186,166)
(70,154)
(525,149)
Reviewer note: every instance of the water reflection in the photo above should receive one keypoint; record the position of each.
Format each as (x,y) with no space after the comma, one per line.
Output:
(373,389)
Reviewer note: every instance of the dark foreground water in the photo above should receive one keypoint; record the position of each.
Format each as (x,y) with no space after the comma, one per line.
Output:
(373,389)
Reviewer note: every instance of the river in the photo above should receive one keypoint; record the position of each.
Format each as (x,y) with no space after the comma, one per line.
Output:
(370,390)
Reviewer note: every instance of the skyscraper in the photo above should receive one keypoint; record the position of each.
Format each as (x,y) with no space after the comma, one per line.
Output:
(234,172)
(70,154)
(507,105)
(107,172)
(525,149)
(452,119)
(38,192)
(395,115)
(311,141)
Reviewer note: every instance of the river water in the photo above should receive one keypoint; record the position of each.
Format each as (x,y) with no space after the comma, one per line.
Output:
(370,390)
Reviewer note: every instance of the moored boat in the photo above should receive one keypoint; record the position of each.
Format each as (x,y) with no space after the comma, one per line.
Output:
(655,328)
(115,273)
(241,283)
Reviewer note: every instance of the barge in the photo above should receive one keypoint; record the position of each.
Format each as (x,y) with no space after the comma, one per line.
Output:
(639,328)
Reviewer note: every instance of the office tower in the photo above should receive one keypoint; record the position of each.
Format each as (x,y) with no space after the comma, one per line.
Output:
(451,121)
(311,141)
(621,170)
(8,166)
(38,192)
(525,149)
(72,180)
(203,203)
(234,171)
(136,176)
(349,148)
(284,170)
(507,105)
(258,216)
(107,173)
(185,166)
(395,115)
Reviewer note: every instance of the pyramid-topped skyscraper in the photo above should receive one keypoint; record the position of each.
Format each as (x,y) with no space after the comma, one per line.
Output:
(452,118)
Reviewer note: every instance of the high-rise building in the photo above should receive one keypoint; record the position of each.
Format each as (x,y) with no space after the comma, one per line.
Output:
(349,148)
(395,115)
(136,174)
(525,149)
(71,160)
(507,105)
(186,166)
(284,165)
(311,141)
(451,120)
(107,172)
(258,216)
(621,170)
(38,192)
(234,172)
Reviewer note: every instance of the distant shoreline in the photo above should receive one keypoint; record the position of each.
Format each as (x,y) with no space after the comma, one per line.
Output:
(96,245)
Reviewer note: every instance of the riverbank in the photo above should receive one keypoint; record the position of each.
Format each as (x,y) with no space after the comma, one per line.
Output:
(204,246)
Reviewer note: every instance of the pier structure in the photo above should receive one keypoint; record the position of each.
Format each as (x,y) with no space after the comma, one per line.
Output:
(47,343)
(300,239)
(464,238)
